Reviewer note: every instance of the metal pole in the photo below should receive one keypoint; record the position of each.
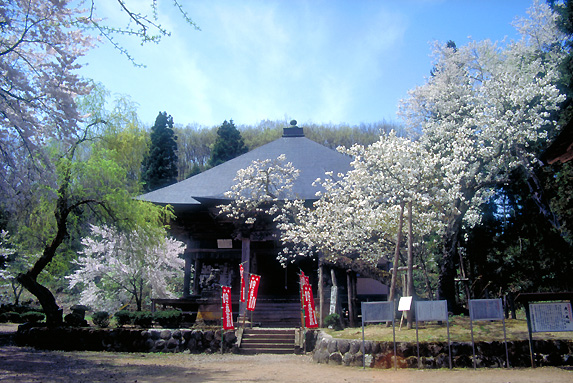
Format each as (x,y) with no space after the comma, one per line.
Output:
(222,319)
(394,335)
(530,331)
(417,341)
(505,341)
(449,343)
(473,343)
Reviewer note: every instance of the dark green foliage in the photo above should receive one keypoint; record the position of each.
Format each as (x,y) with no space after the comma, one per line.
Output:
(123,317)
(33,317)
(229,144)
(515,249)
(142,318)
(159,167)
(11,317)
(101,318)
(168,318)
(75,320)
(333,321)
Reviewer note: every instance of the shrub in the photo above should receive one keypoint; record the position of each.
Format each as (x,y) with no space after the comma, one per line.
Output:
(123,317)
(33,317)
(143,318)
(75,320)
(168,318)
(101,318)
(10,316)
(333,321)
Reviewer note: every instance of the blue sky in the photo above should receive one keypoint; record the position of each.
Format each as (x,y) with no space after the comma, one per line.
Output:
(314,61)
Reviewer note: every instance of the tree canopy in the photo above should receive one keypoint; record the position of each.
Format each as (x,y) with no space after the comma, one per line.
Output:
(229,144)
(160,164)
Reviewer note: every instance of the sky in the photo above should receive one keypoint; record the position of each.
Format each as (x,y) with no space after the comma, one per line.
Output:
(331,61)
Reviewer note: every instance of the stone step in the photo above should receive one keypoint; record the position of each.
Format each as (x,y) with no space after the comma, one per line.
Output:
(268,341)
(267,351)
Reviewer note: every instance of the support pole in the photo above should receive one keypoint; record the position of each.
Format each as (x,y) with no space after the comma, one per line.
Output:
(321,293)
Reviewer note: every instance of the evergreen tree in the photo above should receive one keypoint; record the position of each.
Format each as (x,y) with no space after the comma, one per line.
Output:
(229,144)
(160,166)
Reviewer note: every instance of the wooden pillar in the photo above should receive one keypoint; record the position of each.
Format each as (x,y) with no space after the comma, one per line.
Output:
(350,293)
(246,261)
(187,275)
(197,273)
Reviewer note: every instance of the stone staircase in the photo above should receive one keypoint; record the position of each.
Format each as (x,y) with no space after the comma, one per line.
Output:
(267,341)
(273,313)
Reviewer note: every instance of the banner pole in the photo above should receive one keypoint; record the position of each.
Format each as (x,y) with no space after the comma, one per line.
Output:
(301,299)
(222,319)
(246,304)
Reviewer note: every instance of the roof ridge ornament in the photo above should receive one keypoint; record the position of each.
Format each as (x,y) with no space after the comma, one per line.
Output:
(293,131)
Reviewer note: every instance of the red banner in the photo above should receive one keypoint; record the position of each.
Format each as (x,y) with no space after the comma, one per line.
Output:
(242,272)
(227,309)
(303,280)
(309,310)
(253,289)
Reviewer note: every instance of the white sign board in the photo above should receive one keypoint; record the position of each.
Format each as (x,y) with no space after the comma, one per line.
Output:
(377,311)
(431,311)
(551,317)
(405,304)
(333,298)
(486,309)
(225,243)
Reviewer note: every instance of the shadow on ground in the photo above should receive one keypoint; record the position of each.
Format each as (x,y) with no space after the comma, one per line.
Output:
(28,365)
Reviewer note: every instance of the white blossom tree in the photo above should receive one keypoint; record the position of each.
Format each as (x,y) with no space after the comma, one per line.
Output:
(259,193)
(13,264)
(115,267)
(479,115)
(482,111)
(358,215)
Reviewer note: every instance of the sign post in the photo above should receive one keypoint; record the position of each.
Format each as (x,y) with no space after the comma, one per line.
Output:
(433,311)
(487,309)
(547,317)
(378,312)
(405,304)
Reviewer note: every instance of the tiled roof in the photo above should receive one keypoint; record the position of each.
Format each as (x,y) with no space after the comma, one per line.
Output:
(312,159)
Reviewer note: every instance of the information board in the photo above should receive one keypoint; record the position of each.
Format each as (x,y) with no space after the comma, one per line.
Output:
(377,312)
(432,311)
(486,309)
(551,317)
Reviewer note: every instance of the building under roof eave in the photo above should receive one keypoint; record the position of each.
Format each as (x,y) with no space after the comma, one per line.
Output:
(561,150)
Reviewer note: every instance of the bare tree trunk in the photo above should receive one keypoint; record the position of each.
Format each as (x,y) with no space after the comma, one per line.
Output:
(45,297)
(410,275)
(392,294)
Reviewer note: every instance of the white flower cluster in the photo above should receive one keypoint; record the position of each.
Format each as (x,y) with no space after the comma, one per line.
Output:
(259,189)
(115,267)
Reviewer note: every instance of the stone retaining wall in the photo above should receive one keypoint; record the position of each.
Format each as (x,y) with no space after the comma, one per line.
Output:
(435,355)
(126,340)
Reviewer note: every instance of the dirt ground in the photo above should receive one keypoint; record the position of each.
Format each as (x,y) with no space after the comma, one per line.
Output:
(29,365)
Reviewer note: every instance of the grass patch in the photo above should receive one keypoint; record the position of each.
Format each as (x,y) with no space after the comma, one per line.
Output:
(484,331)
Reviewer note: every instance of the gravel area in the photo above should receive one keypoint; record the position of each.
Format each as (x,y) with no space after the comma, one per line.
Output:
(18,364)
